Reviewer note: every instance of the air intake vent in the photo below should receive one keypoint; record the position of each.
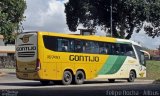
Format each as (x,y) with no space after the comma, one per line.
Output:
(26,54)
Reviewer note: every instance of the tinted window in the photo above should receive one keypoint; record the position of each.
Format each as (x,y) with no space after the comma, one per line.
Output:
(95,47)
(86,46)
(140,55)
(105,48)
(63,45)
(78,45)
(129,51)
(117,50)
(50,43)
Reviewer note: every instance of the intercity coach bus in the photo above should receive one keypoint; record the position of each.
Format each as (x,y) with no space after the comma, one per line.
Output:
(49,56)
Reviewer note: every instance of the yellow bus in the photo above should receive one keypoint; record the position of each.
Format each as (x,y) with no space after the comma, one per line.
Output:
(50,56)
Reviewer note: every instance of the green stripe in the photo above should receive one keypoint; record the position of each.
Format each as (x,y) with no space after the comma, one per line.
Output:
(108,64)
(112,64)
(117,65)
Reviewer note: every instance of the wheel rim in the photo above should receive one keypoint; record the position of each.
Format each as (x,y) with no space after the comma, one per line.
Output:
(80,77)
(67,77)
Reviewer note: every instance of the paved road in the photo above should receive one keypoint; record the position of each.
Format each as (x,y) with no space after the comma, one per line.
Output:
(11,86)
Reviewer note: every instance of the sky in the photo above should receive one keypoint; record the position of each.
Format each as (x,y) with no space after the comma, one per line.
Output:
(48,15)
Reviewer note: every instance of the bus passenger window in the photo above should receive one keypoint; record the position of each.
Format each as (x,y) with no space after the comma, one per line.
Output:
(95,48)
(115,49)
(51,46)
(87,47)
(78,46)
(64,48)
(129,51)
(123,49)
(104,50)
(65,45)
(71,45)
(108,49)
(118,52)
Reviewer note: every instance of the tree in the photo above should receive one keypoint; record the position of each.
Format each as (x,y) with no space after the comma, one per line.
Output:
(128,16)
(11,15)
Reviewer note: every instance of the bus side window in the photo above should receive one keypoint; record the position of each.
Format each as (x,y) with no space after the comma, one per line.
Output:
(64,48)
(108,48)
(102,49)
(86,47)
(78,46)
(115,49)
(71,45)
(129,51)
(94,47)
(63,45)
(51,46)
(123,49)
(112,49)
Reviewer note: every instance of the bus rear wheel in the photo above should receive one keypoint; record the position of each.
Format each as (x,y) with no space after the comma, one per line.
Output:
(67,78)
(79,77)
(132,76)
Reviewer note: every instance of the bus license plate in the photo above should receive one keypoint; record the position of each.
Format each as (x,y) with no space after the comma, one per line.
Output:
(25,75)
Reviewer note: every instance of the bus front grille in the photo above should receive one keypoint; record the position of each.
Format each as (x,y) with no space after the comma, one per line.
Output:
(26,54)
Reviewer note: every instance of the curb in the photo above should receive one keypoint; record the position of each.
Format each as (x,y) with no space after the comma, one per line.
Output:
(2,74)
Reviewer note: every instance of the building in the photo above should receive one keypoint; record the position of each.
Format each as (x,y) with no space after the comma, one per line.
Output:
(154,52)
(6,50)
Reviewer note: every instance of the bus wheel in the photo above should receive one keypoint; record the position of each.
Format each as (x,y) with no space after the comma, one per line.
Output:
(132,76)
(111,80)
(67,78)
(79,77)
(45,82)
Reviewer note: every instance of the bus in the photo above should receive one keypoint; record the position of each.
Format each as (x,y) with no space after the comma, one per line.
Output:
(69,58)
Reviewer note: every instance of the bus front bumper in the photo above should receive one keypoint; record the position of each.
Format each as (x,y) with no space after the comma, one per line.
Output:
(28,75)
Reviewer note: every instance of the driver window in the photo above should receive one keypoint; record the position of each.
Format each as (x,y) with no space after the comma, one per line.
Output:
(142,58)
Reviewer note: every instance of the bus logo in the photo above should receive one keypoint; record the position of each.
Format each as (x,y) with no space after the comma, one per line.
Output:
(25,38)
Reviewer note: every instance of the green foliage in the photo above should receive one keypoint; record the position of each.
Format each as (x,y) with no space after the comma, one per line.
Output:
(11,15)
(153,69)
(128,16)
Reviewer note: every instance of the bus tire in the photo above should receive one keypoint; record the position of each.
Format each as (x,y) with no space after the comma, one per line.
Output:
(45,82)
(79,77)
(111,80)
(132,76)
(67,78)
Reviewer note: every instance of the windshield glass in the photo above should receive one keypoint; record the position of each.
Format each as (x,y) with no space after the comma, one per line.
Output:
(141,56)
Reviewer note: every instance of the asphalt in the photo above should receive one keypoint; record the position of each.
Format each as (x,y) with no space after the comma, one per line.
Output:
(11,86)
(4,72)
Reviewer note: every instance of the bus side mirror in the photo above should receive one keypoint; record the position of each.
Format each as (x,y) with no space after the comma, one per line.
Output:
(147,56)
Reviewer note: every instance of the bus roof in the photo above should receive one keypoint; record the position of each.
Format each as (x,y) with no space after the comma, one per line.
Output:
(89,37)
(128,41)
